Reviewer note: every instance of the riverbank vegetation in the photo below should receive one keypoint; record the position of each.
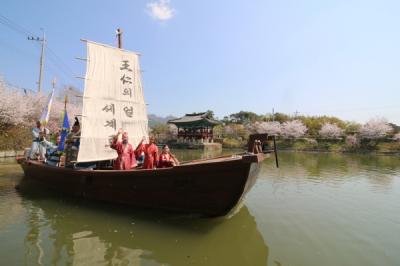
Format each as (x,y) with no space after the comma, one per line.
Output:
(20,108)
(305,133)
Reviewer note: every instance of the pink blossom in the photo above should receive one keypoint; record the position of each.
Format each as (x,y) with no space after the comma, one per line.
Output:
(351,140)
(19,108)
(293,129)
(330,131)
(375,129)
(271,128)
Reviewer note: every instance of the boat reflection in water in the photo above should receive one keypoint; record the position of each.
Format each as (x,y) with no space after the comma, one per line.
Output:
(74,231)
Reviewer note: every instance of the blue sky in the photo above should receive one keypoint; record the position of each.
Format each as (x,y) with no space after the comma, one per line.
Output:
(316,57)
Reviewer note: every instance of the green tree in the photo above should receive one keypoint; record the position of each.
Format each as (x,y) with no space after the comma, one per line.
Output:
(281,117)
(210,114)
(244,117)
(351,128)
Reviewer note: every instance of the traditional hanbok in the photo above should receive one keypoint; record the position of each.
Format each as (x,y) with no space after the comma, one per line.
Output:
(38,149)
(150,155)
(165,160)
(126,156)
(72,147)
(52,153)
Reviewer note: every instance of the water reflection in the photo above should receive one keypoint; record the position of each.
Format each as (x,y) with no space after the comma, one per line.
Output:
(316,209)
(80,232)
(380,171)
(10,203)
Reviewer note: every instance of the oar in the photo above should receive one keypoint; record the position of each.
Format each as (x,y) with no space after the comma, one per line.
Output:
(276,153)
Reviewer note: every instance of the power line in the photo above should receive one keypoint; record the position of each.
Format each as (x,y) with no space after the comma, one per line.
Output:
(53,57)
(14,26)
(28,55)
(60,61)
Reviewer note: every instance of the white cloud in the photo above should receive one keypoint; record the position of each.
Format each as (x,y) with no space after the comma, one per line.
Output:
(160,10)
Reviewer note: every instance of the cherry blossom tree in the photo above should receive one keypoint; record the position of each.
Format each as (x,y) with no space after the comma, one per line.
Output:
(16,107)
(57,111)
(271,128)
(397,137)
(23,109)
(293,129)
(330,131)
(375,129)
(351,140)
(172,131)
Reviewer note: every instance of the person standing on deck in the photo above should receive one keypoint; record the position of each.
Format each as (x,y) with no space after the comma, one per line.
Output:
(73,141)
(126,155)
(38,151)
(150,153)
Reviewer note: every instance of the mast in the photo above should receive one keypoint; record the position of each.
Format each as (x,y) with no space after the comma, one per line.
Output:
(119,36)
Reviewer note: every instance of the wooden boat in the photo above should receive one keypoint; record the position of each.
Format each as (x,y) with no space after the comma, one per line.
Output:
(211,187)
(113,98)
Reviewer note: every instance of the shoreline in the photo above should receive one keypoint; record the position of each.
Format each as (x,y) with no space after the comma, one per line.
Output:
(397,153)
(11,153)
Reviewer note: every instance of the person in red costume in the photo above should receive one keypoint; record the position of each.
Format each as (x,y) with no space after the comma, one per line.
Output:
(167,159)
(150,153)
(126,155)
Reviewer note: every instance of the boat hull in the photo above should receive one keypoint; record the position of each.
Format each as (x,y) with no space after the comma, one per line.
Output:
(207,187)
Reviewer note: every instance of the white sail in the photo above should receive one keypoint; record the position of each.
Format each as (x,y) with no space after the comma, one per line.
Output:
(113,98)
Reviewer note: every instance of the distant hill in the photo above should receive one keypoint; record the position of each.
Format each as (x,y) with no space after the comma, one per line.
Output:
(154,119)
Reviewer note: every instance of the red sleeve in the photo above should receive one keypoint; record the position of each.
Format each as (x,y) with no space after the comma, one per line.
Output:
(139,150)
(156,157)
(117,146)
(113,145)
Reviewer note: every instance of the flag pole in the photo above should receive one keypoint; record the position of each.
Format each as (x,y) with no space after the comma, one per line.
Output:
(65,102)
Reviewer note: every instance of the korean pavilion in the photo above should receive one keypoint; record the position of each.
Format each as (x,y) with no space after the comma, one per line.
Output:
(195,127)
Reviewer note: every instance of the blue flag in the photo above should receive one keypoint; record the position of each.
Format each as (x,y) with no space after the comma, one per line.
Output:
(64,131)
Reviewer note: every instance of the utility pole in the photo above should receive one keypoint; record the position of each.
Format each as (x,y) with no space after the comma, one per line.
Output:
(296,114)
(43,43)
(273,115)
(119,36)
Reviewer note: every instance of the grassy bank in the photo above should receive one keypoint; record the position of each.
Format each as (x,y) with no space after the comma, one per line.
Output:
(15,138)
(323,145)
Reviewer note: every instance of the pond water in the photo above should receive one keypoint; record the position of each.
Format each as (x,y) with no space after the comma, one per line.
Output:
(316,209)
